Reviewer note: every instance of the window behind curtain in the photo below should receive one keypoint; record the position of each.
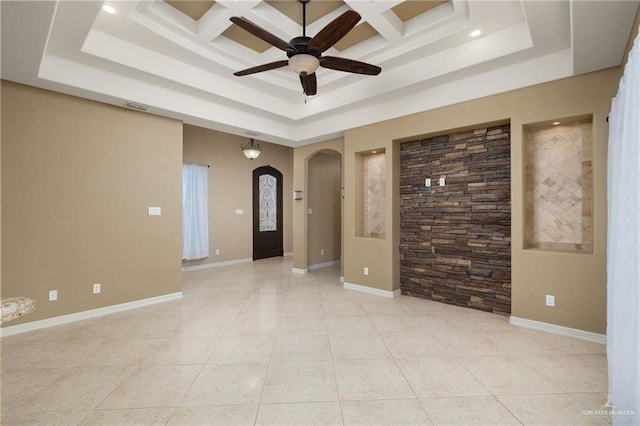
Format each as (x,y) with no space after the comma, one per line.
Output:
(623,245)
(195,214)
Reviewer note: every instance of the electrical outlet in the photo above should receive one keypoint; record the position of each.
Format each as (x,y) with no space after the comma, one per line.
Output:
(321,252)
(427,182)
(441,181)
(551,300)
(96,288)
(53,295)
(366,271)
(217,251)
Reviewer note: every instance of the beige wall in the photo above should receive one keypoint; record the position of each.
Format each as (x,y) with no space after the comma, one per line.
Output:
(230,188)
(578,281)
(77,178)
(635,28)
(301,157)
(325,202)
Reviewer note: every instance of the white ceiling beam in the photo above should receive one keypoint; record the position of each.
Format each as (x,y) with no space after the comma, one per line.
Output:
(387,24)
(216,20)
(380,16)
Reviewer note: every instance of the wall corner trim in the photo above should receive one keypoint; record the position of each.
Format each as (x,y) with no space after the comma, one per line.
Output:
(216,264)
(78,316)
(300,271)
(558,329)
(371,290)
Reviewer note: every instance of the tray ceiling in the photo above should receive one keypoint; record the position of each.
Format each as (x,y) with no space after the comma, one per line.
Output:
(178,57)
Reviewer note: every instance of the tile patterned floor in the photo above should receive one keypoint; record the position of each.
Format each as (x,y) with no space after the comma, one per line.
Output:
(253,344)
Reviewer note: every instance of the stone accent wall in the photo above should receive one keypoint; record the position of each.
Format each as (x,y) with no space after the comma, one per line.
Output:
(455,241)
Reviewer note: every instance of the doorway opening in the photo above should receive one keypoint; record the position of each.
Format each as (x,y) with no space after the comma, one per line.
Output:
(324,209)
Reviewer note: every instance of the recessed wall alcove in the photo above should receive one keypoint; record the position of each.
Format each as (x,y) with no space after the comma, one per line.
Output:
(455,240)
(371,193)
(558,157)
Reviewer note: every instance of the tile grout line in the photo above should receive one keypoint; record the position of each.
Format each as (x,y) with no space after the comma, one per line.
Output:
(333,365)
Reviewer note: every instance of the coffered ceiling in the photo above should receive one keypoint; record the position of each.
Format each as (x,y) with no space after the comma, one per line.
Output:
(177,58)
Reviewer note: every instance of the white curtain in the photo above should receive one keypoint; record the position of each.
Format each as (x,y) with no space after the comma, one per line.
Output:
(623,246)
(195,214)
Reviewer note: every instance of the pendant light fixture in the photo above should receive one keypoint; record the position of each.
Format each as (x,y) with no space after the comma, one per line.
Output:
(251,150)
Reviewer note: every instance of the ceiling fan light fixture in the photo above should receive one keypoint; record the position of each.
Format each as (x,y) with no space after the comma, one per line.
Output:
(303,64)
(305,53)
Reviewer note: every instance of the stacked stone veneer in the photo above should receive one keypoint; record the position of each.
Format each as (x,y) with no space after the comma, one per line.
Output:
(455,241)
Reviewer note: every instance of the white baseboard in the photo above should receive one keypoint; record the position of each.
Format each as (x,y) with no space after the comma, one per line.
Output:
(371,290)
(300,271)
(558,329)
(323,265)
(287,254)
(78,316)
(216,264)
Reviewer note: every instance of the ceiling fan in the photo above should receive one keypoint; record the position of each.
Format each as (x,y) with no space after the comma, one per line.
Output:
(305,53)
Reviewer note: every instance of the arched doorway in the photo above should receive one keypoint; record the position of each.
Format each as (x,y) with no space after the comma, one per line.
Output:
(267,213)
(324,209)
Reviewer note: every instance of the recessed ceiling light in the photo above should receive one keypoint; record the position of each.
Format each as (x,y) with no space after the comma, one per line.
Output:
(109,9)
(555,123)
(475,33)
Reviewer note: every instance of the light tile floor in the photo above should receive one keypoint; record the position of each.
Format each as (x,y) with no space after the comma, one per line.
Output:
(254,344)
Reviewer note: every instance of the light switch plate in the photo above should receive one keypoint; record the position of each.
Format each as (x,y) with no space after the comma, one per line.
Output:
(154,211)
(551,300)
(427,182)
(441,181)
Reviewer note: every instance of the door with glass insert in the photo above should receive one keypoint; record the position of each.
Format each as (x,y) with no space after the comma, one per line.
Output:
(267,213)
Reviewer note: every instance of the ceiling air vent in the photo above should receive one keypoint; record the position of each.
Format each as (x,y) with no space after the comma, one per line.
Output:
(136,106)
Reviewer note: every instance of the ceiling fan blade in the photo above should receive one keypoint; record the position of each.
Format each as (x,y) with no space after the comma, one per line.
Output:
(260,68)
(349,65)
(334,31)
(309,84)
(261,33)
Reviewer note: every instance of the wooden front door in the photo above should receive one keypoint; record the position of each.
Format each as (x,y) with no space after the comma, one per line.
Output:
(267,213)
